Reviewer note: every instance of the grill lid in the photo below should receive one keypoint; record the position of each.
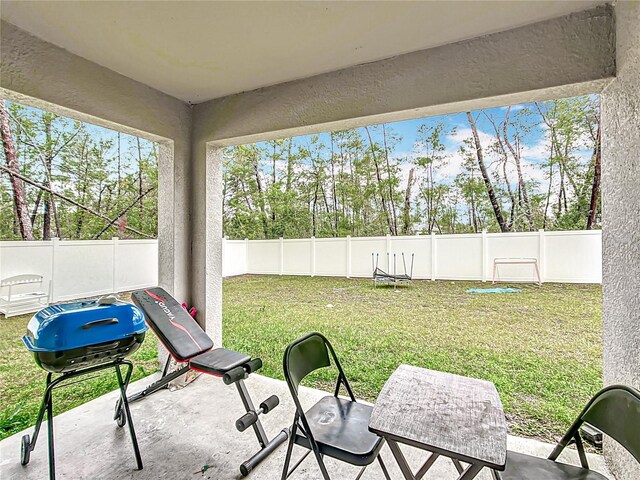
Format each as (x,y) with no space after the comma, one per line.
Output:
(79,324)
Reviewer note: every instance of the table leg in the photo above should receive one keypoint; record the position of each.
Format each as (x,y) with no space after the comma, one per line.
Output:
(470,472)
(427,465)
(402,462)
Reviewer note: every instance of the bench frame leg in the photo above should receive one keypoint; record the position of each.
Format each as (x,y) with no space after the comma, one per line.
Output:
(266,446)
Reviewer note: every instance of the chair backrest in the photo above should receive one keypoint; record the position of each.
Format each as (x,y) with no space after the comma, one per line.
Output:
(616,411)
(303,356)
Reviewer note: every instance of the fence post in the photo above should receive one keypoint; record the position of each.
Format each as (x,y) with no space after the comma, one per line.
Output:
(484,255)
(246,255)
(54,248)
(114,254)
(281,255)
(388,247)
(434,256)
(541,244)
(348,256)
(313,256)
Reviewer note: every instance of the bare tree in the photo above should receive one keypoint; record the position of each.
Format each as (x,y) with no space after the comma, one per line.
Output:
(406,214)
(595,188)
(485,176)
(19,194)
(515,153)
(374,157)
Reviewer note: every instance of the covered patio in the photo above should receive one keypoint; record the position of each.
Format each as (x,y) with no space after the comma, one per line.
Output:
(198,77)
(183,431)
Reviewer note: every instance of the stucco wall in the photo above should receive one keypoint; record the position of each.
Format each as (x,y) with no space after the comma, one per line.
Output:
(621,220)
(38,73)
(539,61)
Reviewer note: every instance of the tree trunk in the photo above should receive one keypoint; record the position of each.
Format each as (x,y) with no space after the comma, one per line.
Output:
(391,200)
(334,191)
(34,212)
(505,159)
(406,214)
(19,194)
(595,189)
(516,156)
(119,168)
(379,180)
(46,224)
(290,165)
(546,206)
(485,176)
(140,179)
(261,201)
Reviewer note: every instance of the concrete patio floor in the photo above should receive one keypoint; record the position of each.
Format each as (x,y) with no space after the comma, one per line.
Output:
(179,432)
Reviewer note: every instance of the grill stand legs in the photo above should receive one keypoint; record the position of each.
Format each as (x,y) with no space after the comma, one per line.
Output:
(29,444)
(123,396)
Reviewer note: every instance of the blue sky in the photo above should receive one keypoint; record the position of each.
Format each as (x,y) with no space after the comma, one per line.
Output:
(534,144)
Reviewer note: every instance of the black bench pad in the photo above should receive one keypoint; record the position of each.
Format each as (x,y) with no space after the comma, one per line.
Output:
(218,361)
(177,330)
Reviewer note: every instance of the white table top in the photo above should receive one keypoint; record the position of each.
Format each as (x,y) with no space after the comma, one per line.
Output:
(449,414)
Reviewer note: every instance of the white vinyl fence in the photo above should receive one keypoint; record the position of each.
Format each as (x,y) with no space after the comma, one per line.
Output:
(566,257)
(85,268)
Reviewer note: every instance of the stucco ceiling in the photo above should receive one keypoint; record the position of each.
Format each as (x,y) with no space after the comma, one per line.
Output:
(196,51)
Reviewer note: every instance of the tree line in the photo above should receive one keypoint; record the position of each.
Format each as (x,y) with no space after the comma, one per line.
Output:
(67,179)
(356,182)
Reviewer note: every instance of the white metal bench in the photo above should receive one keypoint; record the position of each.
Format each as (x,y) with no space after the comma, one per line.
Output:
(516,261)
(18,303)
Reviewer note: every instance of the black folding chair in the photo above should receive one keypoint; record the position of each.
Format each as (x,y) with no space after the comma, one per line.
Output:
(615,410)
(334,426)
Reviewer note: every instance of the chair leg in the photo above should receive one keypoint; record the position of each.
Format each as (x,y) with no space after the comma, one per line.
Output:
(361,472)
(323,468)
(384,468)
(287,460)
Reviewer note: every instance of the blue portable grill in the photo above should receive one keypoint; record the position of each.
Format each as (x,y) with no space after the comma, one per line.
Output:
(75,335)
(83,338)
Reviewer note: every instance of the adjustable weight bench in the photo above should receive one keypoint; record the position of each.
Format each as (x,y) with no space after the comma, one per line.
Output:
(187,343)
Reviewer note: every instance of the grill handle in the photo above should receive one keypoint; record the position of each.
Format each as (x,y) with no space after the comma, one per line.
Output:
(95,323)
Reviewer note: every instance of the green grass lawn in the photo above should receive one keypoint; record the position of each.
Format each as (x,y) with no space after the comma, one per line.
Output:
(541,348)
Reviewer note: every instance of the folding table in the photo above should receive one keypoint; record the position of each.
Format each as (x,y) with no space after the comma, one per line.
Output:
(445,414)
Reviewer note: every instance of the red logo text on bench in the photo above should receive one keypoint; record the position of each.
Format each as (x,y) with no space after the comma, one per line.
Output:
(170,316)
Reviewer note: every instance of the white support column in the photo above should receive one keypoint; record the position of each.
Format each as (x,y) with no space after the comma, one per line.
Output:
(541,254)
(484,254)
(281,255)
(114,258)
(434,256)
(313,256)
(212,285)
(348,256)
